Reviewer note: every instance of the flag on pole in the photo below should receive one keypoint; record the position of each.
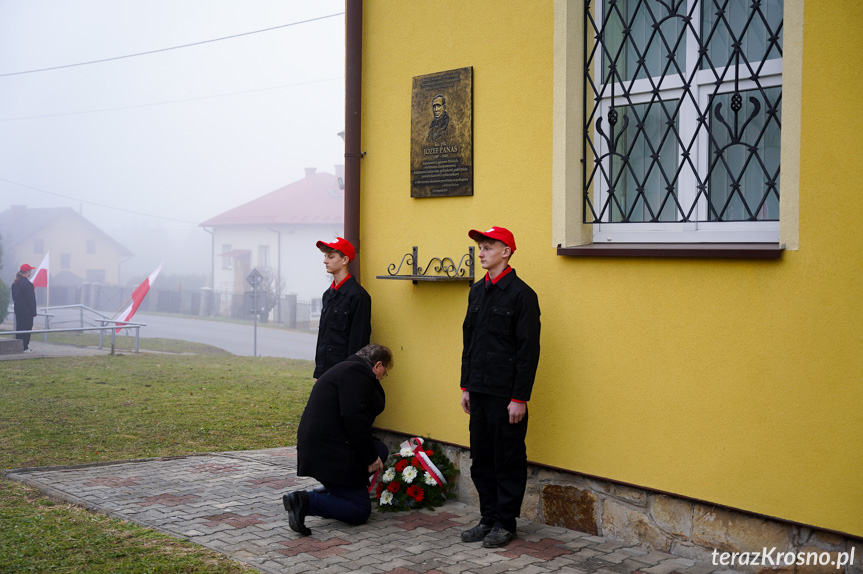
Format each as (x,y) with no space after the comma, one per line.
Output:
(138,297)
(40,277)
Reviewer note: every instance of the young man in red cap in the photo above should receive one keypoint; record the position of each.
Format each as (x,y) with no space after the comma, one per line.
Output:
(499,361)
(24,301)
(346,313)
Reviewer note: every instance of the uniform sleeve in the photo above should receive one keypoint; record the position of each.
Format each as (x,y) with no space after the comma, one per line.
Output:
(467,336)
(31,299)
(361,322)
(527,329)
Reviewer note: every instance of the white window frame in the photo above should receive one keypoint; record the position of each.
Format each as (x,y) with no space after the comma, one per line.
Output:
(568,227)
(264,256)
(227,261)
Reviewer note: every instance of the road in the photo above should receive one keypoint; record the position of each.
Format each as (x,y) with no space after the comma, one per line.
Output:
(234,338)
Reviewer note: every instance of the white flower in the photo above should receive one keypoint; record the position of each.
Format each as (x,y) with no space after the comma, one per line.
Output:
(409,474)
(389,474)
(406,452)
(386,497)
(429,479)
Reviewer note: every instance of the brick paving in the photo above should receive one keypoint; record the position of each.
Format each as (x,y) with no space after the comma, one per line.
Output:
(231,502)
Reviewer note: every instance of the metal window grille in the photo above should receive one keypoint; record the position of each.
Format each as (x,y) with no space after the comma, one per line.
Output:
(682,110)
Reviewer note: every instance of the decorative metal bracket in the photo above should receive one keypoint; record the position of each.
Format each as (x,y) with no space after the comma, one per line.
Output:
(444,267)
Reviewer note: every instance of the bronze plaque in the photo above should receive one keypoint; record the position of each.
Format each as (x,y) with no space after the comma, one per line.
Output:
(442,134)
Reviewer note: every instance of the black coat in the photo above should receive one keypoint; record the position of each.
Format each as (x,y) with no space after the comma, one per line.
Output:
(501,339)
(24,298)
(345,325)
(334,439)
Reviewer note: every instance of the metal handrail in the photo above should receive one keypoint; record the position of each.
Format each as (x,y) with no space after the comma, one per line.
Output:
(114,327)
(78,306)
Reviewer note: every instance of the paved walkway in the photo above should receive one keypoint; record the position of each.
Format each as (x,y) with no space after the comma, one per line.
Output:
(231,502)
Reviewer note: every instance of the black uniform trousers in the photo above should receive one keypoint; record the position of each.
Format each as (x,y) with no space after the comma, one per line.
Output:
(23,324)
(499,460)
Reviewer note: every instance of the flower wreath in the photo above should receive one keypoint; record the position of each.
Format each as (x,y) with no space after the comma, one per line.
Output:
(419,476)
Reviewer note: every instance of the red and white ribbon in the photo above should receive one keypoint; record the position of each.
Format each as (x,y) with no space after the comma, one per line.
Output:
(415,444)
(373,480)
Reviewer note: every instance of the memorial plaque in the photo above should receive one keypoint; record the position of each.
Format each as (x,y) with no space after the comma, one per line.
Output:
(442,134)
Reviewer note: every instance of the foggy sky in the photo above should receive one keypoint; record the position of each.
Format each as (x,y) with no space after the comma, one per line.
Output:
(183,161)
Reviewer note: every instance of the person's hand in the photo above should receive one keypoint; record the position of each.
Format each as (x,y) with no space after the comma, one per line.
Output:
(376,466)
(516,411)
(465,401)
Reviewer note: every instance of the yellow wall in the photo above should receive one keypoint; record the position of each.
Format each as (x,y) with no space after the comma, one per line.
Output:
(734,382)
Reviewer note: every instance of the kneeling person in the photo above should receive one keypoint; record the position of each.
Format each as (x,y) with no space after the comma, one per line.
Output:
(335,443)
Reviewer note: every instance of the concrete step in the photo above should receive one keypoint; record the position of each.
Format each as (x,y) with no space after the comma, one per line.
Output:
(10,346)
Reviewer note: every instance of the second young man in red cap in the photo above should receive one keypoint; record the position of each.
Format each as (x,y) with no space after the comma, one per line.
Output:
(499,361)
(345,325)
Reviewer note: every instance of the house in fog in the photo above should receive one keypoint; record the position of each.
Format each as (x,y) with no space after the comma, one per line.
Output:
(276,234)
(80,251)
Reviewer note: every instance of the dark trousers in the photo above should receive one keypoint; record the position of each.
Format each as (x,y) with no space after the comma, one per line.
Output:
(348,504)
(23,324)
(499,460)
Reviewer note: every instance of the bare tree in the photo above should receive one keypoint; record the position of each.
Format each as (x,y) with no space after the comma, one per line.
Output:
(272,286)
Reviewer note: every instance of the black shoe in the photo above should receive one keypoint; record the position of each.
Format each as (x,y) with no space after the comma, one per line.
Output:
(297,505)
(497,537)
(475,534)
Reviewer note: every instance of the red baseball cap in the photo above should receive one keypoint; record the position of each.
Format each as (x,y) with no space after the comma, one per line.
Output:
(26,267)
(340,244)
(499,233)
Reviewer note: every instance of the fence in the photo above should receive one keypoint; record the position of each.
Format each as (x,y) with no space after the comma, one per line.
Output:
(290,311)
(79,319)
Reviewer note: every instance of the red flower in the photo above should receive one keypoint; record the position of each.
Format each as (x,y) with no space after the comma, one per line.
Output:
(394,486)
(416,492)
(401,465)
(379,489)
(430,453)
(415,462)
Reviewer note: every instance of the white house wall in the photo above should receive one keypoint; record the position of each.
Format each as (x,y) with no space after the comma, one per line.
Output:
(302,268)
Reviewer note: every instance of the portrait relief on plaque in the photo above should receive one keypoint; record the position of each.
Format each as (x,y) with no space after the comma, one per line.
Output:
(442,134)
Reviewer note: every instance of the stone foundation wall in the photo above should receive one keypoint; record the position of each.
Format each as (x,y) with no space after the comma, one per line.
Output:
(657,521)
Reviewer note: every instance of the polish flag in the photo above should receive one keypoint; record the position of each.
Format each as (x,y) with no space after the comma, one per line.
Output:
(138,297)
(40,277)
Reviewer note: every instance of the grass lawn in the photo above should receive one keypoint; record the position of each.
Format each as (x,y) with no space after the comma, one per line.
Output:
(105,408)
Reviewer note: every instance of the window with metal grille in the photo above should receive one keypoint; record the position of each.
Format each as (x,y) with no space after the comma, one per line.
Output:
(683,102)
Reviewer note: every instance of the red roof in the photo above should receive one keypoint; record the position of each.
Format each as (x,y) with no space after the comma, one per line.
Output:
(317,198)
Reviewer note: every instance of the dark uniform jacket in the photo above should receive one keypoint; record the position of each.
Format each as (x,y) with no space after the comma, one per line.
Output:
(345,325)
(501,338)
(334,439)
(24,299)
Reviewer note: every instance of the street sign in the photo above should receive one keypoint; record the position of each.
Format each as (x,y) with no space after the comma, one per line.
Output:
(254,278)
(256,302)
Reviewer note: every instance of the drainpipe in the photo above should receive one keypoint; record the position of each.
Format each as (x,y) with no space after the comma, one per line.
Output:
(212,258)
(353,97)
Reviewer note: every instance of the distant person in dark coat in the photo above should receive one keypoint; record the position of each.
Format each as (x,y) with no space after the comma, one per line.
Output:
(335,443)
(345,326)
(24,300)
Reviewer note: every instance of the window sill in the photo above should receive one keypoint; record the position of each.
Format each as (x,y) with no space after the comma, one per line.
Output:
(677,250)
